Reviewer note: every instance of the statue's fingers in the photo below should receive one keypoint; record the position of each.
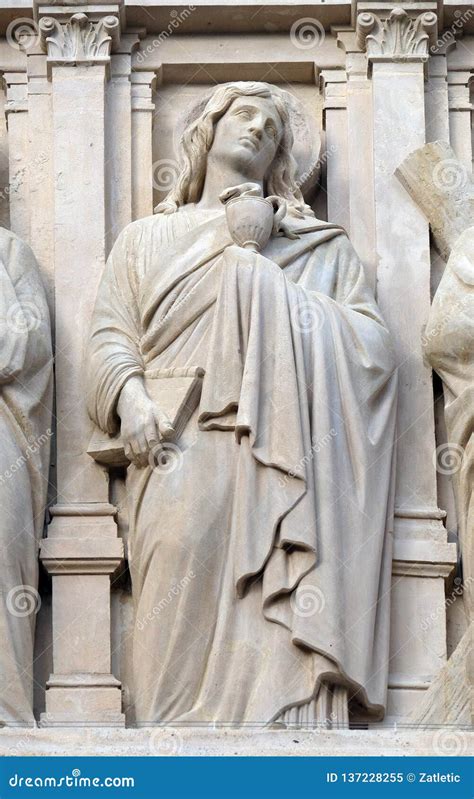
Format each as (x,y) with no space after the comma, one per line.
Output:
(152,444)
(128,451)
(142,449)
(165,427)
(136,456)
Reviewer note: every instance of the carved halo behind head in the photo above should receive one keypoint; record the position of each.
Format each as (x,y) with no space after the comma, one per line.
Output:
(198,137)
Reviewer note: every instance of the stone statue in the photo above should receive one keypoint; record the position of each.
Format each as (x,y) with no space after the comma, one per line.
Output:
(449,346)
(25,433)
(260,544)
(441,186)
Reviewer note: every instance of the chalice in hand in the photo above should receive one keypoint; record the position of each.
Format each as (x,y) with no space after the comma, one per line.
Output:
(252,218)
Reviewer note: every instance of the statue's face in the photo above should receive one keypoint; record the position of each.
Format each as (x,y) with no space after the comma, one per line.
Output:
(248,135)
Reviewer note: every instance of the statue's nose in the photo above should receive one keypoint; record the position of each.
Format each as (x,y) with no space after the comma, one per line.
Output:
(256,130)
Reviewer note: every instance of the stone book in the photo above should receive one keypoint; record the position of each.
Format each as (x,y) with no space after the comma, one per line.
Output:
(175,391)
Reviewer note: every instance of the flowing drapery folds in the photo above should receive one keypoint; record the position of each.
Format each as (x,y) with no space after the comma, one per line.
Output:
(276,520)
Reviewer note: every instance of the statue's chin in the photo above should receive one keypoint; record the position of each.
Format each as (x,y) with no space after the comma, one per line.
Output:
(242,158)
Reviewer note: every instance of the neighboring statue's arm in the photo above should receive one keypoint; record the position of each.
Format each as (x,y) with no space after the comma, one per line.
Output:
(13,329)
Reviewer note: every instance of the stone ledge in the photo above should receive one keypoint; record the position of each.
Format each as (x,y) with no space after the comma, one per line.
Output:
(166,741)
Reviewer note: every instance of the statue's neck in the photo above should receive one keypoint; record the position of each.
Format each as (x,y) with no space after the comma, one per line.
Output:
(218,178)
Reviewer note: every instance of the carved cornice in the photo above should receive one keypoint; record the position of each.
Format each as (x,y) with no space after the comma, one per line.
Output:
(398,37)
(79,39)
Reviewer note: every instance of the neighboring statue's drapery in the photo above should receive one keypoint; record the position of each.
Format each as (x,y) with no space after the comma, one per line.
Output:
(25,419)
(261,563)
(449,345)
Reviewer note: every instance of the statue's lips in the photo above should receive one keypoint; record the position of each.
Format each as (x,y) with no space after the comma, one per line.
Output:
(248,140)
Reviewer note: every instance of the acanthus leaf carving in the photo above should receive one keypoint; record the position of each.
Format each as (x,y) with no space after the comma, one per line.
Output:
(398,36)
(79,39)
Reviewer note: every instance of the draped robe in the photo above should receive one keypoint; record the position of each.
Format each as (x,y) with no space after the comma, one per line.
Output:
(25,419)
(449,346)
(261,560)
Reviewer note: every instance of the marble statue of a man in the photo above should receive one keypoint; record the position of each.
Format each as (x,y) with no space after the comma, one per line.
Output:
(260,547)
(25,420)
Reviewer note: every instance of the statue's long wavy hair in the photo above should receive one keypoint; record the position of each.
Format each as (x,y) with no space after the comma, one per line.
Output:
(196,143)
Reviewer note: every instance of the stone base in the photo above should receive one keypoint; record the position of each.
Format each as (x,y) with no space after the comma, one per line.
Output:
(75,702)
(165,741)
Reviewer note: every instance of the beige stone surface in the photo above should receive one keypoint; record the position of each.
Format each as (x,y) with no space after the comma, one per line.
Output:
(179,741)
(89,144)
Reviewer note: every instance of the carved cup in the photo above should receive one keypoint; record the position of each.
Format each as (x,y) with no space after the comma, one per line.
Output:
(252,219)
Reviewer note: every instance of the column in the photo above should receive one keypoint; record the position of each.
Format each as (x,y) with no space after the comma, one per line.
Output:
(360,153)
(143,107)
(397,50)
(436,96)
(118,145)
(40,168)
(460,109)
(82,550)
(335,163)
(16,110)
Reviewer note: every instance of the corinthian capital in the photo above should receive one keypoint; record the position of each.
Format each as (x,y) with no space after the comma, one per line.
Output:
(79,39)
(397,37)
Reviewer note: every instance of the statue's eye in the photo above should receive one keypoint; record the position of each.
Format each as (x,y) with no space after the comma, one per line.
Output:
(244,112)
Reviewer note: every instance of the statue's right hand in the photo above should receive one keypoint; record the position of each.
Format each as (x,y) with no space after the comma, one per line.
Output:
(143,425)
